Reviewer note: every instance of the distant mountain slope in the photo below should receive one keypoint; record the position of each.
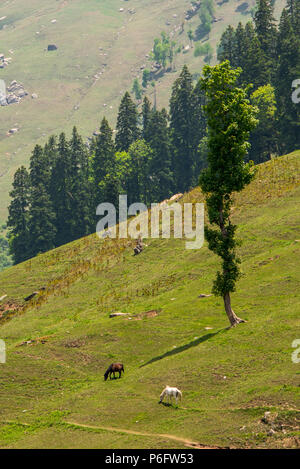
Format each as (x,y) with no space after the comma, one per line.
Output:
(52,392)
(100,50)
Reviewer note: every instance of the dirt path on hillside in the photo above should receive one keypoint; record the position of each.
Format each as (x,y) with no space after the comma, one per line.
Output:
(186,442)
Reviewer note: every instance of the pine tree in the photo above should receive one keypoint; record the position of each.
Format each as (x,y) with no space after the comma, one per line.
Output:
(230,120)
(255,68)
(103,162)
(160,172)
(242,48)
(39,167)
(181,130)
(239,49)
(146,115)
(266,33)
(60,192)
(136,89)
(288,112)
(226,48)
(41,223)
(293,9)
(198,129)
(127,124)
(79,187)
(140,186)
(18,216)
(50,152)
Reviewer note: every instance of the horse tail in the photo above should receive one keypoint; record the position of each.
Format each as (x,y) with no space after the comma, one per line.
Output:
(122,369)
(180,394)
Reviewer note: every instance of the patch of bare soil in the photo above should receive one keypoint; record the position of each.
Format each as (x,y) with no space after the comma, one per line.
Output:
(146,314)
(36,341)
(8,309)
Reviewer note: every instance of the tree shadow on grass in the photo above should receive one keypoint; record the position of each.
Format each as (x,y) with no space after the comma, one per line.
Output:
(193,343)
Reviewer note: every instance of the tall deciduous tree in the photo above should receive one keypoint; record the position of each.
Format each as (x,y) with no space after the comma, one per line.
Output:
(230,119)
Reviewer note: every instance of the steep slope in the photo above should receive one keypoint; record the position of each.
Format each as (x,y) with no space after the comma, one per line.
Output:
(100,50)
(52,392)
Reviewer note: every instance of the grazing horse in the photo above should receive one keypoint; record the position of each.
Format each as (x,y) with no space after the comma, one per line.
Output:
(170,392)
(112,369)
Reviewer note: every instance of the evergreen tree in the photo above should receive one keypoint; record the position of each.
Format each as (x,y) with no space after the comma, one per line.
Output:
(160,172)
(50,152)
(255,68)
(181,130)
(239,49)
(146,115)
(60,192)
(139,184)
(266,33)
(230,120)
(226,48)
(293,9)
(136,89)
(41,223)
(39,167)
(80,201)
(288,112)
(127,124)
(18,216)
(104,159)
(198,128)
(242,48)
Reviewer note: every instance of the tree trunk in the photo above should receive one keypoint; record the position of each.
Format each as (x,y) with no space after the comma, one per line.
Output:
(233,318)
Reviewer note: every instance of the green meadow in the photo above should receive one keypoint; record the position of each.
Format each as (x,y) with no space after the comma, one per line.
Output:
(59,344)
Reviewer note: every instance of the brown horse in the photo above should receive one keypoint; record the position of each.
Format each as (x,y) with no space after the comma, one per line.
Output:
(112,369)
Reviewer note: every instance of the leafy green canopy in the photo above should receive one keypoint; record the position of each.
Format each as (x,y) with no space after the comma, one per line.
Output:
(230,119)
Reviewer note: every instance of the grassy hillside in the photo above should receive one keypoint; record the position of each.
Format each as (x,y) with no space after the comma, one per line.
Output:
(52,392)
(92,37)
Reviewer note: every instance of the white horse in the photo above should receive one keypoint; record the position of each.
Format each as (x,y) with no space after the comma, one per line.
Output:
(170,392)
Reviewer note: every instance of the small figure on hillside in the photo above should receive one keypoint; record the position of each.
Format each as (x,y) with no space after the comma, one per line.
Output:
(139,246)
(170,392)
(112,369)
